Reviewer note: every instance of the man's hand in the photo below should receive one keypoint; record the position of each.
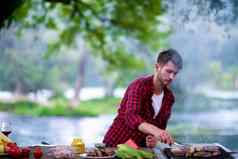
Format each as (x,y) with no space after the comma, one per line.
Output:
(164,136)
(151,141)
(160,134)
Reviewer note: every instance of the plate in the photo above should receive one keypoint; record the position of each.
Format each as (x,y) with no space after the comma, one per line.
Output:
(42,145)
(84,156)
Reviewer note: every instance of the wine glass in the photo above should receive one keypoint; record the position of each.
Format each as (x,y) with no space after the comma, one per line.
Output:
(6,128)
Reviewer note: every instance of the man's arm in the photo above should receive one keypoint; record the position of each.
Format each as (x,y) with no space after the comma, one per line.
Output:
(132,105)
(159,134)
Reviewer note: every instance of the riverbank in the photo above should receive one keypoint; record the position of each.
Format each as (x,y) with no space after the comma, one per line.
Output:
(61,107)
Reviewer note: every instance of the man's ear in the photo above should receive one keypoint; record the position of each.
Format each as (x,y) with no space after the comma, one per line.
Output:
(157,66)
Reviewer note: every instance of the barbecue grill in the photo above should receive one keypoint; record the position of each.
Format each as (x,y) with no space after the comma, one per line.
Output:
(225,153)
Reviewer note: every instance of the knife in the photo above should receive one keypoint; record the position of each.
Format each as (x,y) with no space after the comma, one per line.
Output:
(44,143)
(178,144)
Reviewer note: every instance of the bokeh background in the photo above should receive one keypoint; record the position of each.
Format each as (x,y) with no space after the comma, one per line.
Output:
(65,65)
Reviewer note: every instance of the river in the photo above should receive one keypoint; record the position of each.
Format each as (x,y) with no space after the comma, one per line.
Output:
(190,123)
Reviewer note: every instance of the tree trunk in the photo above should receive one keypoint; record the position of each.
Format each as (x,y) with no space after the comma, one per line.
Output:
(236,82)
(110,86)
(80,78)
(18,92)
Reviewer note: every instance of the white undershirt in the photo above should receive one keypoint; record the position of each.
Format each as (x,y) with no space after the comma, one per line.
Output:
(157,102)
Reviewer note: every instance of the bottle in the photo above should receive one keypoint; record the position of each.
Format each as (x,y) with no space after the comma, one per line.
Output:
(78,145)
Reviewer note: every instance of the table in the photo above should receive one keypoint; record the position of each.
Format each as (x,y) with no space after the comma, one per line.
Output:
(157,151)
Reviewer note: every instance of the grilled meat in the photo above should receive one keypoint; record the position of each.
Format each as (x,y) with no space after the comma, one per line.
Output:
(196,150)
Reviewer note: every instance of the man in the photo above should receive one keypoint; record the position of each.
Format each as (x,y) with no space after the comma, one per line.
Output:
(146,106)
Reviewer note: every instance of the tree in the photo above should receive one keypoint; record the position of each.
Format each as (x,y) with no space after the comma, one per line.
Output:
(6,10)
(102,24)
(23,68)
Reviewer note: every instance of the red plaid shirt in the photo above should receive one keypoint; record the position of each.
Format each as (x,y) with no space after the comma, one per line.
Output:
(135,108)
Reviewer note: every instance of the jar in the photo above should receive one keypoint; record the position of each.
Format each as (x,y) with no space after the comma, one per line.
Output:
(78,145)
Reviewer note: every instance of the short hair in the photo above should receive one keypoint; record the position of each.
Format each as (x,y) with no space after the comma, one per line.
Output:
(170,55)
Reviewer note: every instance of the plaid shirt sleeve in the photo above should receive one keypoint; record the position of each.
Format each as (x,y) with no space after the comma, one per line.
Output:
(133,105)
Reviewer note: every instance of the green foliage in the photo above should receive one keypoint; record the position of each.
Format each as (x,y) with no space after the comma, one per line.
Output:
(102,24)
(100,106)
(25,70)
(7,9)
(106,27)
(19,106)
(60,107)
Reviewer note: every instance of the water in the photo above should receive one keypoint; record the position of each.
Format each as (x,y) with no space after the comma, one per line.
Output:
(56,130)
(204,32)
(204,120)
(211,122)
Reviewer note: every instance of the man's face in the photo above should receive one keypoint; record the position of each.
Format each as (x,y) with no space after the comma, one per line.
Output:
(166,73)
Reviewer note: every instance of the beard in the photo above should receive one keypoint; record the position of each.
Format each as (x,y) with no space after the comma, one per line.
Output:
(167,82)
(162,81)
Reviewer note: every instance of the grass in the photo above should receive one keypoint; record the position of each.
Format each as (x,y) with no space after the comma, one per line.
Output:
(60,107)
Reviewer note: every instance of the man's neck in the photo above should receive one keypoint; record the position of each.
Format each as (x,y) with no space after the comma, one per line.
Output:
(158,87)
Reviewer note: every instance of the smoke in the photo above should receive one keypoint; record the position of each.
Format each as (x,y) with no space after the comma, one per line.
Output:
(203,32)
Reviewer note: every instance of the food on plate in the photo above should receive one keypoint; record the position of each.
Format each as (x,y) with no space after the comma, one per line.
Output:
(4,140)
(178,151)
(2,149)
(203,151)
(60,152)
(13,150)
(25,152)
(38,153)
(100,150)
(196,150)
(132,144)
(8,147)
(126,152)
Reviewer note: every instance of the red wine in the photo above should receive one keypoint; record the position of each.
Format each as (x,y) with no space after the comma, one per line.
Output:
(6,132)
